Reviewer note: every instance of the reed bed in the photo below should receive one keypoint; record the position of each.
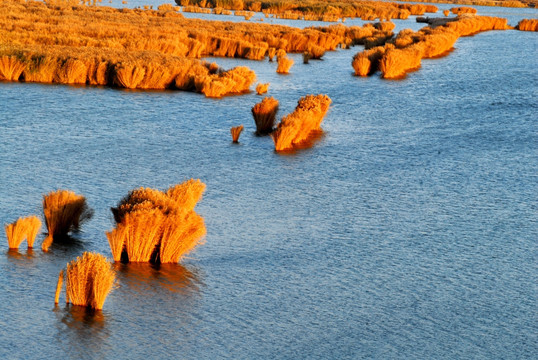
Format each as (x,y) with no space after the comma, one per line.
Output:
(23,228)
(264,114)
(321,10)
(297,127)
(528,25)
(499,3)
(64,211)
(88,281)
(463,10)
(157,226)
(236,132)
(404,53)
(262,88)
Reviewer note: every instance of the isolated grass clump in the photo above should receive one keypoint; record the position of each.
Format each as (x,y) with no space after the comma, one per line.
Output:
(528,25)
(64,212)
(88,281)
(264,114)
(156,226)
(463,10)
(23,228)
(284,62)
(236,132)
(262,88)
(298,126)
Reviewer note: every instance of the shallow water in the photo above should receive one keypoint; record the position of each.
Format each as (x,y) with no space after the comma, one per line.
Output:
(407,231)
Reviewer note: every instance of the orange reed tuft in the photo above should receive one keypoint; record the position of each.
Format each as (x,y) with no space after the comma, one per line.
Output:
(284,62)
(152,225)
(236,132)
(11,68)
(264,114)
(297,127)
(463,10)
(262,88)
(88,280)
(24,228)
(64,212)
(366,63)
(59,287)
(528,25)
(446,12)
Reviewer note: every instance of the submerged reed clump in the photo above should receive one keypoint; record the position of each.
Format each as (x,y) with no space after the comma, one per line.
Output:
(262,88)
(88,281)
(64,211)
(236,132)
(284,62)
(23,228)
(156,226)
(298,126)
(264,114)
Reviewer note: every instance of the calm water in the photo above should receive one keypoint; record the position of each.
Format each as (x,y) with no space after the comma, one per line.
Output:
(407,231)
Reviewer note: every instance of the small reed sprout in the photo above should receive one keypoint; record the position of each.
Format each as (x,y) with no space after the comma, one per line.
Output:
(23,228)
(236,132)
(262,88)
(156,226)
(264,114)
(88,281)
(64,211)
(297,127)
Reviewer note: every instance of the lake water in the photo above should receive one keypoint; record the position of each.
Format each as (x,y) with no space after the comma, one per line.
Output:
(407,231)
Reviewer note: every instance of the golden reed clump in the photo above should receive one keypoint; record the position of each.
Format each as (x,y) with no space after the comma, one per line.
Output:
(405,52)
(88,281)
(264,114)
(463,10)
(262,88)
(297,127)
(528,25)
(236,132)
(24,228)
(284,62)
(64,211)
(156,226)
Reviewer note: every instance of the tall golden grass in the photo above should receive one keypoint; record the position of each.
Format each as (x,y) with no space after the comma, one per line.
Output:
(284,62)
(59,287)
(528,25)
(296,127)
(88,280)
(463,10)
(236,132)
(23,228)
(156,226)
(500,3)
(64,211)
(405,52)
(321,10)
(264,114)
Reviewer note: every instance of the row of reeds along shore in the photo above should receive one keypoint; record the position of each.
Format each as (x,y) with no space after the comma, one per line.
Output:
(151,226)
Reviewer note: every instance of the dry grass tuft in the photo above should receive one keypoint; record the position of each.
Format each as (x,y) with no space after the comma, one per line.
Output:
(463,10)
(236,132)
(297,127)
(89,280)
(59,287)
(11,68)
(264,114)
(284,62)
(24,228)
(64,212)
(156,226)
(262,88)
(528,25)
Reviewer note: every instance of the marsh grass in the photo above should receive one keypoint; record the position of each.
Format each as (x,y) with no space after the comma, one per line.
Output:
(236,132)
(23,228)
(264,114)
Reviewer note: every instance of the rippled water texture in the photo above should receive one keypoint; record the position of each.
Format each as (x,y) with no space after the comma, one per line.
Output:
(407,231)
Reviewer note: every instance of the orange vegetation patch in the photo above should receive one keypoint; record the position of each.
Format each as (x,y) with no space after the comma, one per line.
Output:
(24,228)
(64,212)
(297,127)
(156,226)
(262,88)
(528,25)
(88,281)
(236,132)
(463,10)
(405,52)
(284,62)
(264,114)
(321,10)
